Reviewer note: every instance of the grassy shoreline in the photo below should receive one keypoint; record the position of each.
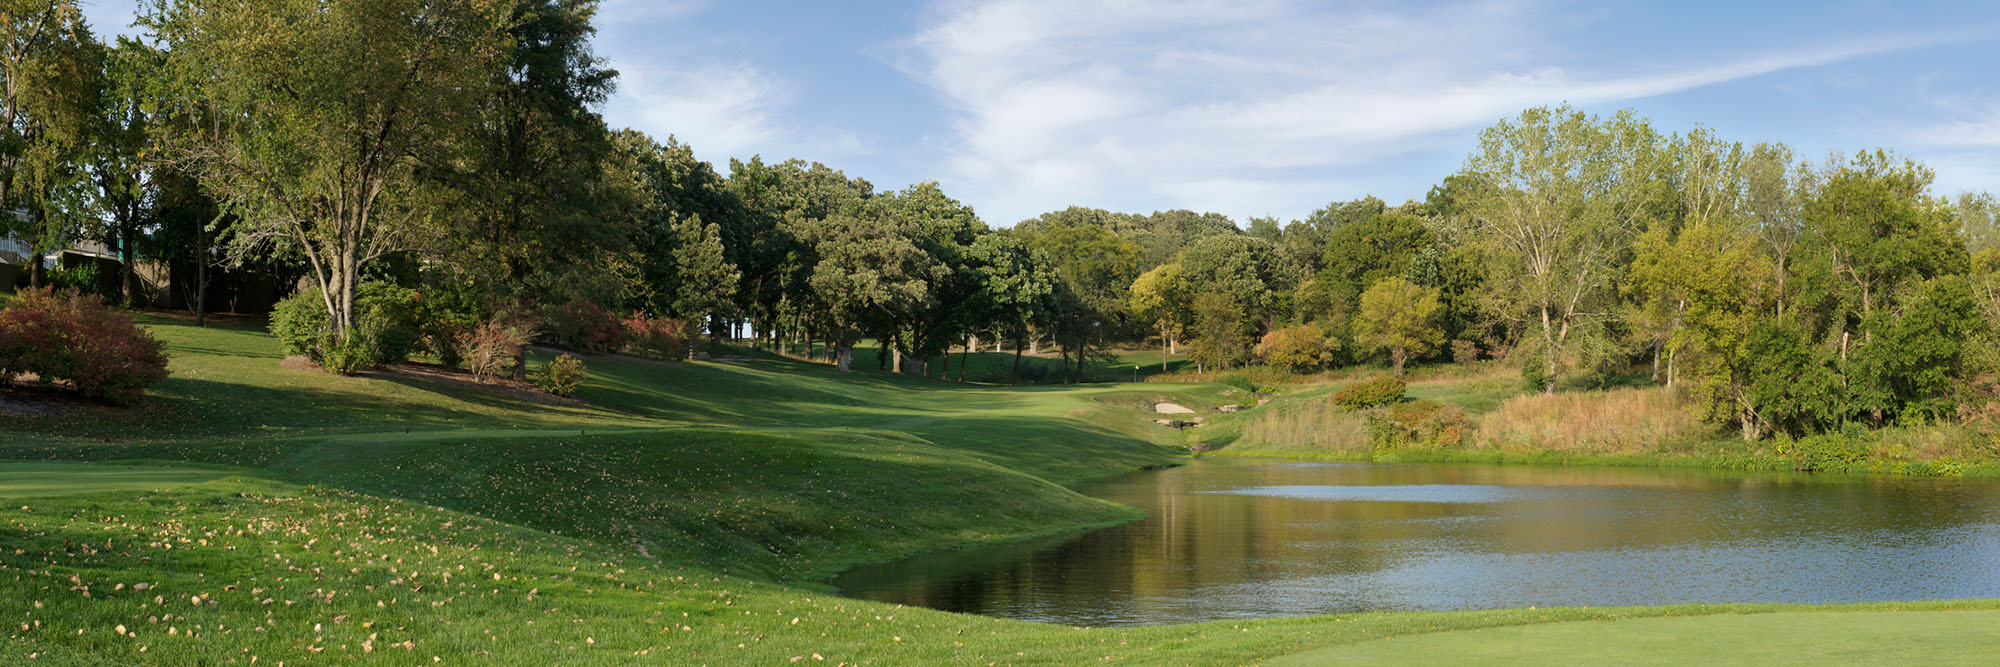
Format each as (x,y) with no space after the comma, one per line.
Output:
(1985,469)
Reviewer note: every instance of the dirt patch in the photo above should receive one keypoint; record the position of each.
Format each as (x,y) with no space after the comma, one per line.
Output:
(298,362)
(27,397)
(1172,409)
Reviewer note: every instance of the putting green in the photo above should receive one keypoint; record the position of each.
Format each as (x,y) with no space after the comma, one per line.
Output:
(27,480)
(1875,637)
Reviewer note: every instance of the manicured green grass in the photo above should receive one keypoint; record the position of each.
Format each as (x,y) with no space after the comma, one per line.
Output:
(1784,638)
(29,480)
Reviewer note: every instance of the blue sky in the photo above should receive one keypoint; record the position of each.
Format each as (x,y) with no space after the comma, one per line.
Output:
(1273,107)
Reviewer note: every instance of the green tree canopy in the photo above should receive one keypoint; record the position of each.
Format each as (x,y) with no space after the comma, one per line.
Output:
(1399,318)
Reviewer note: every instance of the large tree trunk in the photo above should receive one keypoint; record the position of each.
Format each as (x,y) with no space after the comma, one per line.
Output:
(35,271)
(201,294)
(843,358)
(128,279)
(1015,377)
(964,358)
(1397,355)
(1551,351)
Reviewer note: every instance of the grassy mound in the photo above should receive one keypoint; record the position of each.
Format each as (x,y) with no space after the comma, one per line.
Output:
(766,467)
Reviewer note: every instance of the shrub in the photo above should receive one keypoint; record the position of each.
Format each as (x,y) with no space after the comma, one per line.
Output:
(491,349)
(82,278)
(1299,348)
(1369,393)
(69,335)
(301,324)
(390,318)
(660,337)
(562,376)
(447,315)
(1826,451)
(1464,351)
(349,356)
(1418,423)
(584,326)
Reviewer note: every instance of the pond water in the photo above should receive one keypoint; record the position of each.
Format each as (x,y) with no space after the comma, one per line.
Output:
(1246,538)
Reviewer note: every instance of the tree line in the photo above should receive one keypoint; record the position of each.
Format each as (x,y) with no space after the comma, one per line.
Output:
(452,149)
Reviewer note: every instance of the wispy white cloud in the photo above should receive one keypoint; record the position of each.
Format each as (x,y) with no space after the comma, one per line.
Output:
(722,110)
(1243,107)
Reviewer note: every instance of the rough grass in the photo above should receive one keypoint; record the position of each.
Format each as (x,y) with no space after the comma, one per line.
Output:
(1617,421)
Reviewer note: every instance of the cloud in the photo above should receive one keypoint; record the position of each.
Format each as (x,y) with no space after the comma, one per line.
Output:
(722,111)
(1970,124)
(1190,102)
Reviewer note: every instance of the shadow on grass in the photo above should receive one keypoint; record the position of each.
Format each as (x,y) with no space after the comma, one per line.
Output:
(186,408)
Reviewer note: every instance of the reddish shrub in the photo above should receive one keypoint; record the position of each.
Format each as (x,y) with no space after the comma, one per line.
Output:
(583,326)
(491,349)
(660,337)
(72,336)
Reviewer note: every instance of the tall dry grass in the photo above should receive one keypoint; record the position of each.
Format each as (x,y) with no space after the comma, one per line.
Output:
(1618,421)
(1303,426)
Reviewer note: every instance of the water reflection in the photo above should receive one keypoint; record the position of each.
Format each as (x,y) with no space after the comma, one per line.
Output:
(1231,539)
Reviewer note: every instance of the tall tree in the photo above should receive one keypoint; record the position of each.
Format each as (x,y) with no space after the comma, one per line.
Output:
(1774,196)
(550,208)
(868,274)
(336,109)
(121,133)
(1016,288)
(1160,296)
(50,70)
(1558,197)
(1400,318)
(1096,267)
(42,43)
(1222,332)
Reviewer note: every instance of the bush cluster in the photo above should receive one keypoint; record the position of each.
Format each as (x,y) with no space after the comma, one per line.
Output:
(583,326)
(73,336)
(390,322)
(562,376)
(1464,352)
(1418,424)
(492,349)
(659,337)
(1370,393)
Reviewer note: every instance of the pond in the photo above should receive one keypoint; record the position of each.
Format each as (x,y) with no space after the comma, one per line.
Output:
(1248,538)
